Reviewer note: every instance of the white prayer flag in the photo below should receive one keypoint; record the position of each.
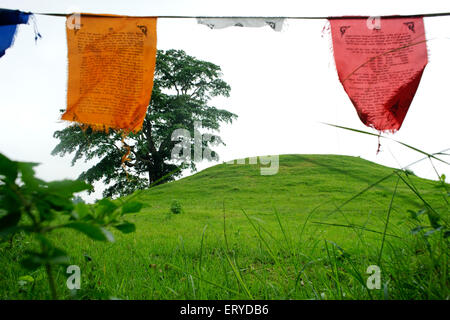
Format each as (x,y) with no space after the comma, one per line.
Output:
(219,23)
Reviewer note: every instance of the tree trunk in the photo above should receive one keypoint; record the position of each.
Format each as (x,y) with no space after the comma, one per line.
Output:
(153,153)
(149,176)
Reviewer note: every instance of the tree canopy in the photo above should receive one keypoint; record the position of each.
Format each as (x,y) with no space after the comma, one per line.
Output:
(183,88)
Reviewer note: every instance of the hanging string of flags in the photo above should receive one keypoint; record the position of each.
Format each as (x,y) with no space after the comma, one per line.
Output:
(112,60)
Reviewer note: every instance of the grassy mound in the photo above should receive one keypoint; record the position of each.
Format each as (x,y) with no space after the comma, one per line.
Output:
(308,232)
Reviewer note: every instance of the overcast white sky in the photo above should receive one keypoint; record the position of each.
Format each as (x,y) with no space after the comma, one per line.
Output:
(284,84)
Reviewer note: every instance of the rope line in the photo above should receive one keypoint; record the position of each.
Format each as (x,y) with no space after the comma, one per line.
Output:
(425,15)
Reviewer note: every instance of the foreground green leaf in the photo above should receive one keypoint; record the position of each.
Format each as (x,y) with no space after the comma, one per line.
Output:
(92,231)
(126,227)
(131,207)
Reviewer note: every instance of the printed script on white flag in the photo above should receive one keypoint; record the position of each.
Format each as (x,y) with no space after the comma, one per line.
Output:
(219,23)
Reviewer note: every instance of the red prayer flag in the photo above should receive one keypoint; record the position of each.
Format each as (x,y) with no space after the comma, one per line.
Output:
(380,66)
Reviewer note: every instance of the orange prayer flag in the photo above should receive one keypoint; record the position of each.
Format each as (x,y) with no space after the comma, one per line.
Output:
(111,67)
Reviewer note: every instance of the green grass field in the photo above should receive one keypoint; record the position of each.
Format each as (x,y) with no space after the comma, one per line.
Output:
(303,233)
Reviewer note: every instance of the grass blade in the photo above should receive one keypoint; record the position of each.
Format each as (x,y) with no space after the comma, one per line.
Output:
(238,277)
(266,244)
(381,136)
(387,221)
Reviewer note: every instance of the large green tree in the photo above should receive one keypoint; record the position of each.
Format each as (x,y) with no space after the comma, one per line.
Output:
(183,88)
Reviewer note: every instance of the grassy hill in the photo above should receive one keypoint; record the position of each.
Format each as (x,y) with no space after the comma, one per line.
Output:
(308,232)
(302,183)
